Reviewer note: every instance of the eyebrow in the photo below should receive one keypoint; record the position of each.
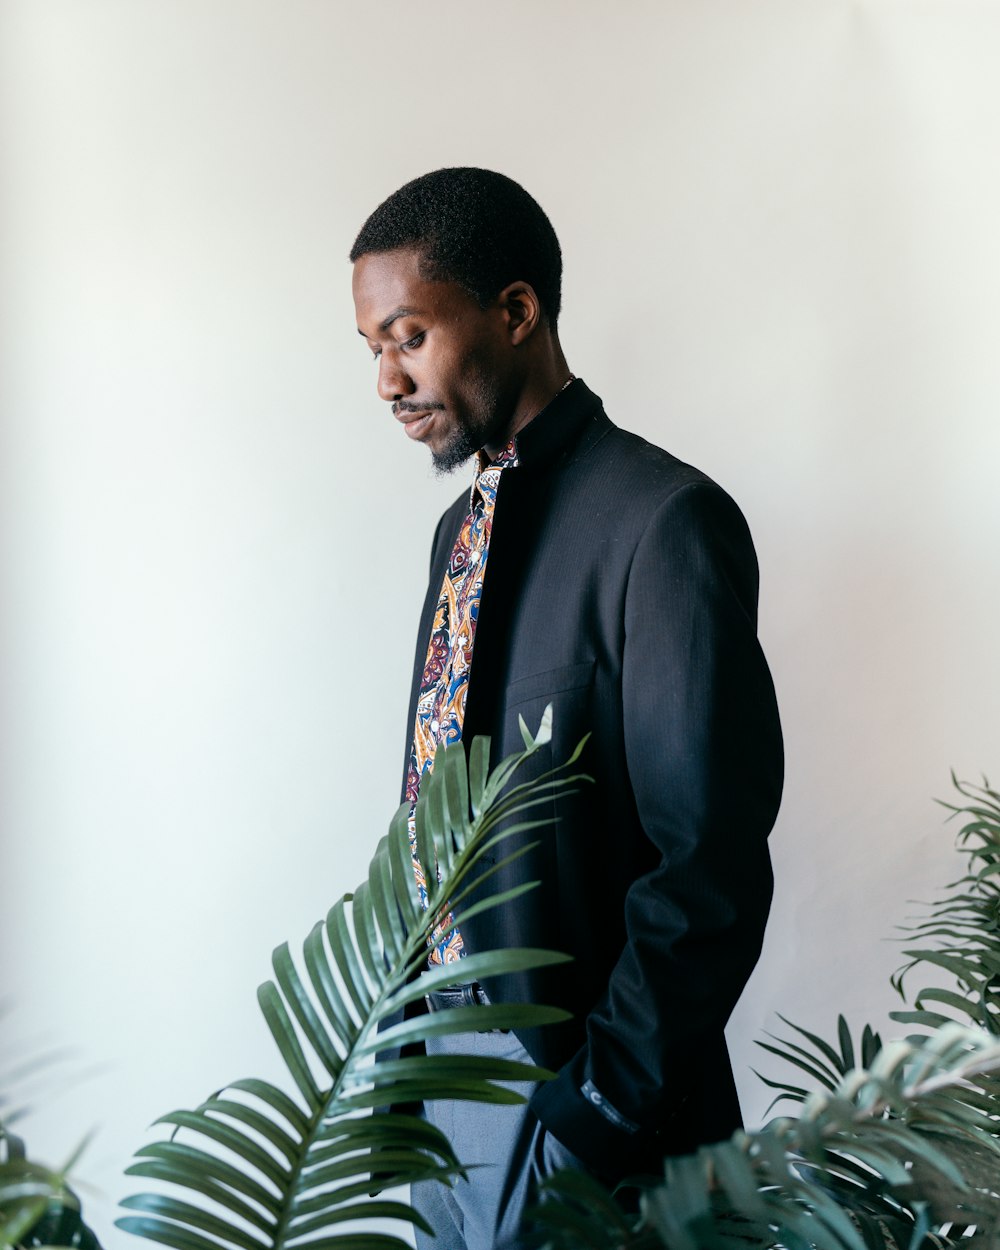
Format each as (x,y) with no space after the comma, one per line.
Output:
(393,316)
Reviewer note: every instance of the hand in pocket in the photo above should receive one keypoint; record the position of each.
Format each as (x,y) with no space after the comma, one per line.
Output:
(549,1155)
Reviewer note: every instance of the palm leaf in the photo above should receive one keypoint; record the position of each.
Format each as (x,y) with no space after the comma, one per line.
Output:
(899,1148)
(825,1063)
(255,1167)
(963,927)
(37,1206)
(893,1156)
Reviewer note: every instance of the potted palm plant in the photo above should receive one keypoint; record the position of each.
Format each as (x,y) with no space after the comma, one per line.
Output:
(258,1167)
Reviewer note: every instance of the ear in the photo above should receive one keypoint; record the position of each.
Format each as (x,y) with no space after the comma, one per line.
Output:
(522,311)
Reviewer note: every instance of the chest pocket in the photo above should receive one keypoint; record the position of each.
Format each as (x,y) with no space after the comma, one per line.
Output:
(547,685)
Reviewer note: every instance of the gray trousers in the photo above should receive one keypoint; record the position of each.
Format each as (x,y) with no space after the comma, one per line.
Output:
(512,1148)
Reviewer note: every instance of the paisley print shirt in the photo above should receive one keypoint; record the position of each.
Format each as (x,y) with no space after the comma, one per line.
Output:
(445,680)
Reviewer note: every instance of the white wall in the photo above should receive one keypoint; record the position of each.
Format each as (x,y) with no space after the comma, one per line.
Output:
(782,262)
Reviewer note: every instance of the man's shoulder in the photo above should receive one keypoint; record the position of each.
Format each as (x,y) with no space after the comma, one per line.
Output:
(627,474)
(651,467)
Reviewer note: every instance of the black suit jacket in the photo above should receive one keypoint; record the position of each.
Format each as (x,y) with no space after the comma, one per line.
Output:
(621,587)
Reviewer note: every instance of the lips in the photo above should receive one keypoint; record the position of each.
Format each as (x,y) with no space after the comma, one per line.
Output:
(415,424)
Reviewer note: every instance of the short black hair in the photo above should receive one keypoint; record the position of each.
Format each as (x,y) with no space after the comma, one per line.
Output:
(474,227)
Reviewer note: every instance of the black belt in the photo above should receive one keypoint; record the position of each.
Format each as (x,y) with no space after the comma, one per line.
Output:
(471,994)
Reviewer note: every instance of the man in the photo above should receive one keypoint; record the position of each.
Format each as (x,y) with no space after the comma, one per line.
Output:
(593,571)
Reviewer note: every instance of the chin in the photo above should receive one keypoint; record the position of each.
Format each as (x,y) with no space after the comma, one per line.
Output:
(454,449)
(449,459)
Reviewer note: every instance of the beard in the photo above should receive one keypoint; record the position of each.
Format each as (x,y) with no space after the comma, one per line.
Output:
(485,421)
(462,443)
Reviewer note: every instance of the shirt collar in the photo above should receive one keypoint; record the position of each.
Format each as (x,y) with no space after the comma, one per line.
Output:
(506,460)
(487,478)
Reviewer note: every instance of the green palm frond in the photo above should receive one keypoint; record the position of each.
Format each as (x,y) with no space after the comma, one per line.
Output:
(962,929)
(821,1061)
(37,1206)
(262,1168)
(892,1155)
(26,1190)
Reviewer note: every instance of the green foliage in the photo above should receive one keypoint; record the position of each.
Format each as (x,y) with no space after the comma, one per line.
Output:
(824,1063)
(890,1155)
(26,1190)
(898,1147)
(962,930)
(37,1206)
(870,1162)
(261,1167)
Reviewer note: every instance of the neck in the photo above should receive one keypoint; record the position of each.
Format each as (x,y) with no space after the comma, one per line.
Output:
(548,374)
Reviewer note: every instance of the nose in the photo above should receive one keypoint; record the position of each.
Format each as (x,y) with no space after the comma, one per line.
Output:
(393,380)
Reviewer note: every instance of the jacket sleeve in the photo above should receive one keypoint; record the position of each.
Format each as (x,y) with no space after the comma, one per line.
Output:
(704,756)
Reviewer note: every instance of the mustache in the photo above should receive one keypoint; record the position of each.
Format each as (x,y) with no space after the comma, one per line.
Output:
(402,406)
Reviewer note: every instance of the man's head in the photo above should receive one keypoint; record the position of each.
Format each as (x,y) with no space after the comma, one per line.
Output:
(473,227)
(457,290)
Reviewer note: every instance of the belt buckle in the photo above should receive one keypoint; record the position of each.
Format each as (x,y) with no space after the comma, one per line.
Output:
(469,994)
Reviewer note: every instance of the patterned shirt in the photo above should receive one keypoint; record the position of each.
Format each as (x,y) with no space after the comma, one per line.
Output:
(445,680)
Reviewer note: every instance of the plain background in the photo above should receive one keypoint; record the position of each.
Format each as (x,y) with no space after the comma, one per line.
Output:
(779,221)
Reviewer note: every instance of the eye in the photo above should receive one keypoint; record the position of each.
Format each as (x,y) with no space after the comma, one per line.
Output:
(417,339)
(376,354)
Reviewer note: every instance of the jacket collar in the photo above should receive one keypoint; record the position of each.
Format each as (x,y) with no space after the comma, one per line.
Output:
(570,422)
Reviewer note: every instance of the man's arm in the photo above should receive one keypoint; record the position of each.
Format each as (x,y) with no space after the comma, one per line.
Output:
(703,748)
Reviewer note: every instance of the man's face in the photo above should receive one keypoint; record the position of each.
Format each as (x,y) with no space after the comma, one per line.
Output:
(444,363)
